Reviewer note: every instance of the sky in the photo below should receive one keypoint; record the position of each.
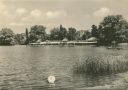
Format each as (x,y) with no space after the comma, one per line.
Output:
(81,14)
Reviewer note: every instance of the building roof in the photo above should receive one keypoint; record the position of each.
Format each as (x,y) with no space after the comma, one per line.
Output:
(65,40)
(92,39)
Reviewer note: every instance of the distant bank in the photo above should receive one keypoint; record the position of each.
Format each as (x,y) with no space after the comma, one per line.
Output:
(64,43)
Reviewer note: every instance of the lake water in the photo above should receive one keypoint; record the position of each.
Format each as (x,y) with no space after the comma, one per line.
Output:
(27,68)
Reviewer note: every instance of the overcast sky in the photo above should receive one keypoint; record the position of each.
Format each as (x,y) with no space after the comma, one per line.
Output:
(19,14)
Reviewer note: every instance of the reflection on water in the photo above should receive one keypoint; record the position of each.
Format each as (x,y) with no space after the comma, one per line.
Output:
(27,68)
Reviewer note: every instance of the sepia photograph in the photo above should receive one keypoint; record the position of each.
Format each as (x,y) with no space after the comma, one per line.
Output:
(63,44)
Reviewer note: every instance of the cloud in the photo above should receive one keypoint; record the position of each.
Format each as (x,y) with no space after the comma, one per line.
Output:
(36,13)
(2,7)
(16,24)
(21,11)
(33,15)
(102,12)
(55,14)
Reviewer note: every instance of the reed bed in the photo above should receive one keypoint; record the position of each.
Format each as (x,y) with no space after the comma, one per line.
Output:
(103,64)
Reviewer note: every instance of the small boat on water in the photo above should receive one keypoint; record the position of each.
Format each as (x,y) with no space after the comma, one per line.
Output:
(118,48)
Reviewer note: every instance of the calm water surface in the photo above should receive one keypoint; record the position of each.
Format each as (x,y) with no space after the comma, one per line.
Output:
(27,68)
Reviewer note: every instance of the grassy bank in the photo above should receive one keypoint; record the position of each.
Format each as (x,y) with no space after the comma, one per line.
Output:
(103,64)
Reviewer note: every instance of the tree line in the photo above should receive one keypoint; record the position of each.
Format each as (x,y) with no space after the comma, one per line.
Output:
(37,33)
(112,29)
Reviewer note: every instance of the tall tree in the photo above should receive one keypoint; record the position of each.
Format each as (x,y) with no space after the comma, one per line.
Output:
(62,33)
(27,37)
(71,33)
(86,35)
(6,36)
(94,31)
(36,33)
(20,39)
(54,34)
(112,29)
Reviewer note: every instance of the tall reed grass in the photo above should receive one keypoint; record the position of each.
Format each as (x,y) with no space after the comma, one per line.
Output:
(103,64)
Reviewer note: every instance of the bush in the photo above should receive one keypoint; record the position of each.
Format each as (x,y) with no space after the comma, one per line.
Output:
(101,64)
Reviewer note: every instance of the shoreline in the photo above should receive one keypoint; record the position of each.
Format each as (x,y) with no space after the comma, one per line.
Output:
(64,43)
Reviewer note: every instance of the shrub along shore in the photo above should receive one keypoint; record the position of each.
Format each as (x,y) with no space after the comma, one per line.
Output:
(101,64)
